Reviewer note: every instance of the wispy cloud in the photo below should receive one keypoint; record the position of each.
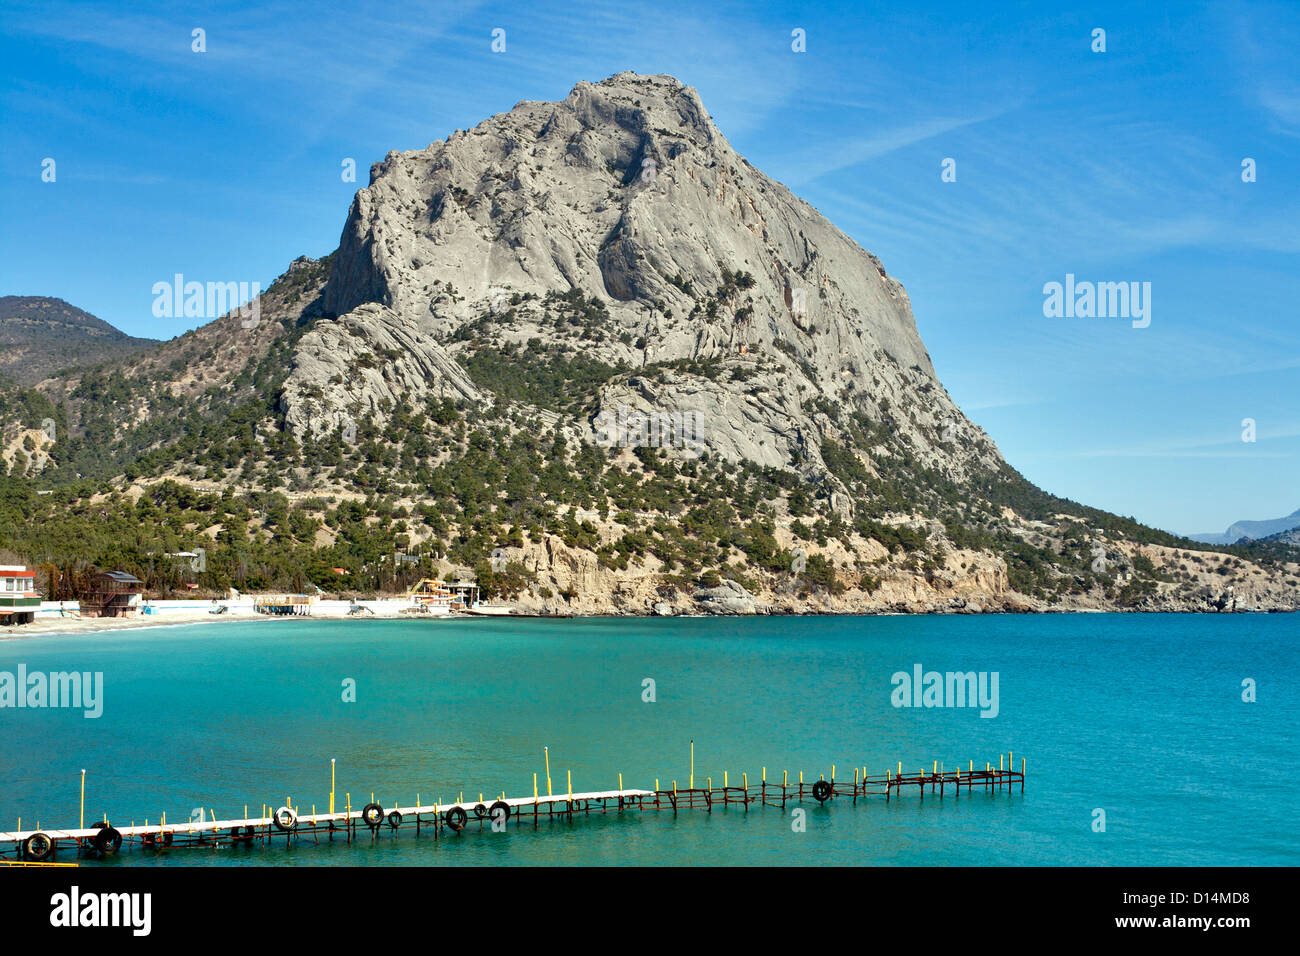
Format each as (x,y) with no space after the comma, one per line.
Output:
(825,158)
(1284,106)
(1215,447)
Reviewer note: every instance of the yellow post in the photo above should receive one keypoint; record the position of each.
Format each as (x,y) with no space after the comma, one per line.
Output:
(832,773)
(332,785)
(1022,766)
(83,799)
(744,779)
(692,765)
(656,784)
(570,775)
(801,778)
(971,768)
(1011,761)
(900,768)
(764,780)
(620,782)
(724,780)
(534,788)
(1000,756)
(709,781)
(547,752)
(785,777)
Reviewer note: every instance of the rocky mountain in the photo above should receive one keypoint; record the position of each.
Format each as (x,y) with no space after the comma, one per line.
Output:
(625,192)
(1252,530)
(40,336)
(589,351)
(1288,538)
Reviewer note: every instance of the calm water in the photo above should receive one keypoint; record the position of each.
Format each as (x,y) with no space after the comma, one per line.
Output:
(1138,715)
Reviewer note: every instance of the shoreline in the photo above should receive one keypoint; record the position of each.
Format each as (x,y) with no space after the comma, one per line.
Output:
(71,627)
(54,626)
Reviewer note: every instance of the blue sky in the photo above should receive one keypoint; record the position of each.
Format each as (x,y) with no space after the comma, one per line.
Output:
(1115,166)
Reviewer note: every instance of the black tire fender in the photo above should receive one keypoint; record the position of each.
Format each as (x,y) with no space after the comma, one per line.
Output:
(501,806)
(394,819)
(108,841)
(285,819)
(457,818)
(38,847)
(821,791)
(372,814)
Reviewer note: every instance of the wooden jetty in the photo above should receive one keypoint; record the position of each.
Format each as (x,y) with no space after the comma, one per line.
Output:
(290,823)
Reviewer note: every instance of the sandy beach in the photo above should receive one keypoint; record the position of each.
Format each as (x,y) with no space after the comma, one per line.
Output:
(91,625)
(72,624)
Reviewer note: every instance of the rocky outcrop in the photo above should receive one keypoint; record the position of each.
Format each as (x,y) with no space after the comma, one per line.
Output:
(362,366)
(627,192)
(729,597)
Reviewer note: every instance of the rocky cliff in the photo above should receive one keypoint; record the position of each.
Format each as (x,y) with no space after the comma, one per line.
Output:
(626,193)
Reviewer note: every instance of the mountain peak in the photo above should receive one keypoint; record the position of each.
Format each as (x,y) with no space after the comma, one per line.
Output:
(625,194)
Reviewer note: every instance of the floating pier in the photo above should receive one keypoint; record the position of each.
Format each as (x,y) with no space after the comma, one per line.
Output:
(290,824)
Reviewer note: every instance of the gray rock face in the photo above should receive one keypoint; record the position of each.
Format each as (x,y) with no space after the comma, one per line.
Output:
(626,191)
(364,364)
(729,597)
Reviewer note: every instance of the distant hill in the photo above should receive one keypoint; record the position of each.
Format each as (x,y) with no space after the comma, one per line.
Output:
(1254,530)
(41,335)
(1290,538)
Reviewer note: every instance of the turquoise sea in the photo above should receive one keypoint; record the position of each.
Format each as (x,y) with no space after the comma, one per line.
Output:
(1138,715)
